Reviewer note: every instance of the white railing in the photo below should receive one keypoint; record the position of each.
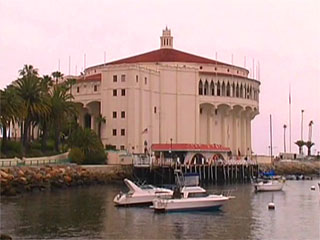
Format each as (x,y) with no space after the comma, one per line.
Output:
(10,162)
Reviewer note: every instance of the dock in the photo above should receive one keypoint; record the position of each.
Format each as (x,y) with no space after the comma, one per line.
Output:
(231,171)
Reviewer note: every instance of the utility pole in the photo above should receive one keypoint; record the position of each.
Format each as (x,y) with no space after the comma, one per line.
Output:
(284,138)
(302,111)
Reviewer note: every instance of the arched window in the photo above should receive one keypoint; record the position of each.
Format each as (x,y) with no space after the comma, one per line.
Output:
(212,88)
(218,89)
(200,88)
(250,92)
(206,88)
(228,89)
(241,91)
(223,92)
(233,90)
(87,120)
(237,90)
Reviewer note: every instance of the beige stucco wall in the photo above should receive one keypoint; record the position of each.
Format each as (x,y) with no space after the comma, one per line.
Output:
(168,105)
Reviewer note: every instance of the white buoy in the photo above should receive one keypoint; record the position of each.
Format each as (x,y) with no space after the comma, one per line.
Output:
(271,206)
(313,188)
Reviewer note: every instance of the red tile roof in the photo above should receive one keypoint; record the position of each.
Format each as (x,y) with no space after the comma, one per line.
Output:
(165,55)
(189,147)
(95,77)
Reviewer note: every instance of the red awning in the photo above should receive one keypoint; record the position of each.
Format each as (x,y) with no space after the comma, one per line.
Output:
(189,147)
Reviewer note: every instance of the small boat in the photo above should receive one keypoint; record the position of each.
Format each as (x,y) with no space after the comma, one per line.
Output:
(186,198)
(143,194)
(274,184)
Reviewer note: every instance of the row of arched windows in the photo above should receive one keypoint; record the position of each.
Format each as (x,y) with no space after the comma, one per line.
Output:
(227,89)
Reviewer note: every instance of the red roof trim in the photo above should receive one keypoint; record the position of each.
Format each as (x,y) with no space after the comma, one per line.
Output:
(95,77)
(189,147)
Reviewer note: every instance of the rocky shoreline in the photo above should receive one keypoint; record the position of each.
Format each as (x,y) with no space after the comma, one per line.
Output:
(308,168)
(18,180)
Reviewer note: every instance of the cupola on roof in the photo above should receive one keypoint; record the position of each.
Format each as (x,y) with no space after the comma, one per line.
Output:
(166,40)
(166,53)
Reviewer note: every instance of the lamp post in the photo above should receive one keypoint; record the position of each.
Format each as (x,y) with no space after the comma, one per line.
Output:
(171,148)
(284,137)
(302,111)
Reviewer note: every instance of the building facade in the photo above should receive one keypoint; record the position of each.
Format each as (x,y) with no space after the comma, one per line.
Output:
(169,96)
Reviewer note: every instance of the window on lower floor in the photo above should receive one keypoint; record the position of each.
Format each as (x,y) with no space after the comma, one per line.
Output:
(123,92)
(95,88)
(123,114)
(114,132)
(122,147)
(78,89)
(114,114)
(114,92)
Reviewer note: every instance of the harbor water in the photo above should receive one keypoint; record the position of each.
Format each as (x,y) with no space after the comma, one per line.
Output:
(89,213)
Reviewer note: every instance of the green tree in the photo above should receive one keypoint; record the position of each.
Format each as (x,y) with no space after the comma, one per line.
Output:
(33,104)
(89,143)
(309,145)
(57,75)
(46,83)
(100,120)
(62,108)
(9,106)
(300,144)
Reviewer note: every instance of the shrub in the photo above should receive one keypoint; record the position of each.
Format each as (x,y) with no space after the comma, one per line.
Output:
(90,144)
(76,155)
(12,149)
(34,153)
(35,145)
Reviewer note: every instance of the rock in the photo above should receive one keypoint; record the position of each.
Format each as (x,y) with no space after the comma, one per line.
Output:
(3,174)
(4,236)
(68,179)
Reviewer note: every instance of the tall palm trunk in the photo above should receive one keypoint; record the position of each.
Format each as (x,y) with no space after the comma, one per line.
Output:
(44,136)
(4,133)
(25,134)
(57,139)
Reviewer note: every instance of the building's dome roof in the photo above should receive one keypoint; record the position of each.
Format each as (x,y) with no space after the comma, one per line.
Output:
(165,55)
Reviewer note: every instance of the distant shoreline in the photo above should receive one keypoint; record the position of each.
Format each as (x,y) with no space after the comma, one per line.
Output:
(293,167)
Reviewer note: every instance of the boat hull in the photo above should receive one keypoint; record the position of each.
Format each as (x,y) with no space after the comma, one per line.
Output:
(187,204)
(126,200)
(268,187)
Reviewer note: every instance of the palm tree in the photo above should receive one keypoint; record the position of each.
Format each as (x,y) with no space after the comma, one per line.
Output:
(9,105)
(33,104)
(300,144)
(46,83)
(100,119)
(57,75)
(62,108)
(309,145)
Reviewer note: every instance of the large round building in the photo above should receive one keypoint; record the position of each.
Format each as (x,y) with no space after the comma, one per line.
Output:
(169,96)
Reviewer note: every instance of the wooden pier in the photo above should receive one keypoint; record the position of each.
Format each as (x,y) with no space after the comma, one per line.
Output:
(229,172)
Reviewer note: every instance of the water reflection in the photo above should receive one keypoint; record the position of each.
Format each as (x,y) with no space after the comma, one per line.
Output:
(89,213)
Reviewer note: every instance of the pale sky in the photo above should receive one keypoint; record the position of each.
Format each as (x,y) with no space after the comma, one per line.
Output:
(283,35)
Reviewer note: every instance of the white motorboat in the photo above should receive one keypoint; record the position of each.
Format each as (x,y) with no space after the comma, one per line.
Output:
(188,198)
(140,194)
(269,185)
(192,198)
